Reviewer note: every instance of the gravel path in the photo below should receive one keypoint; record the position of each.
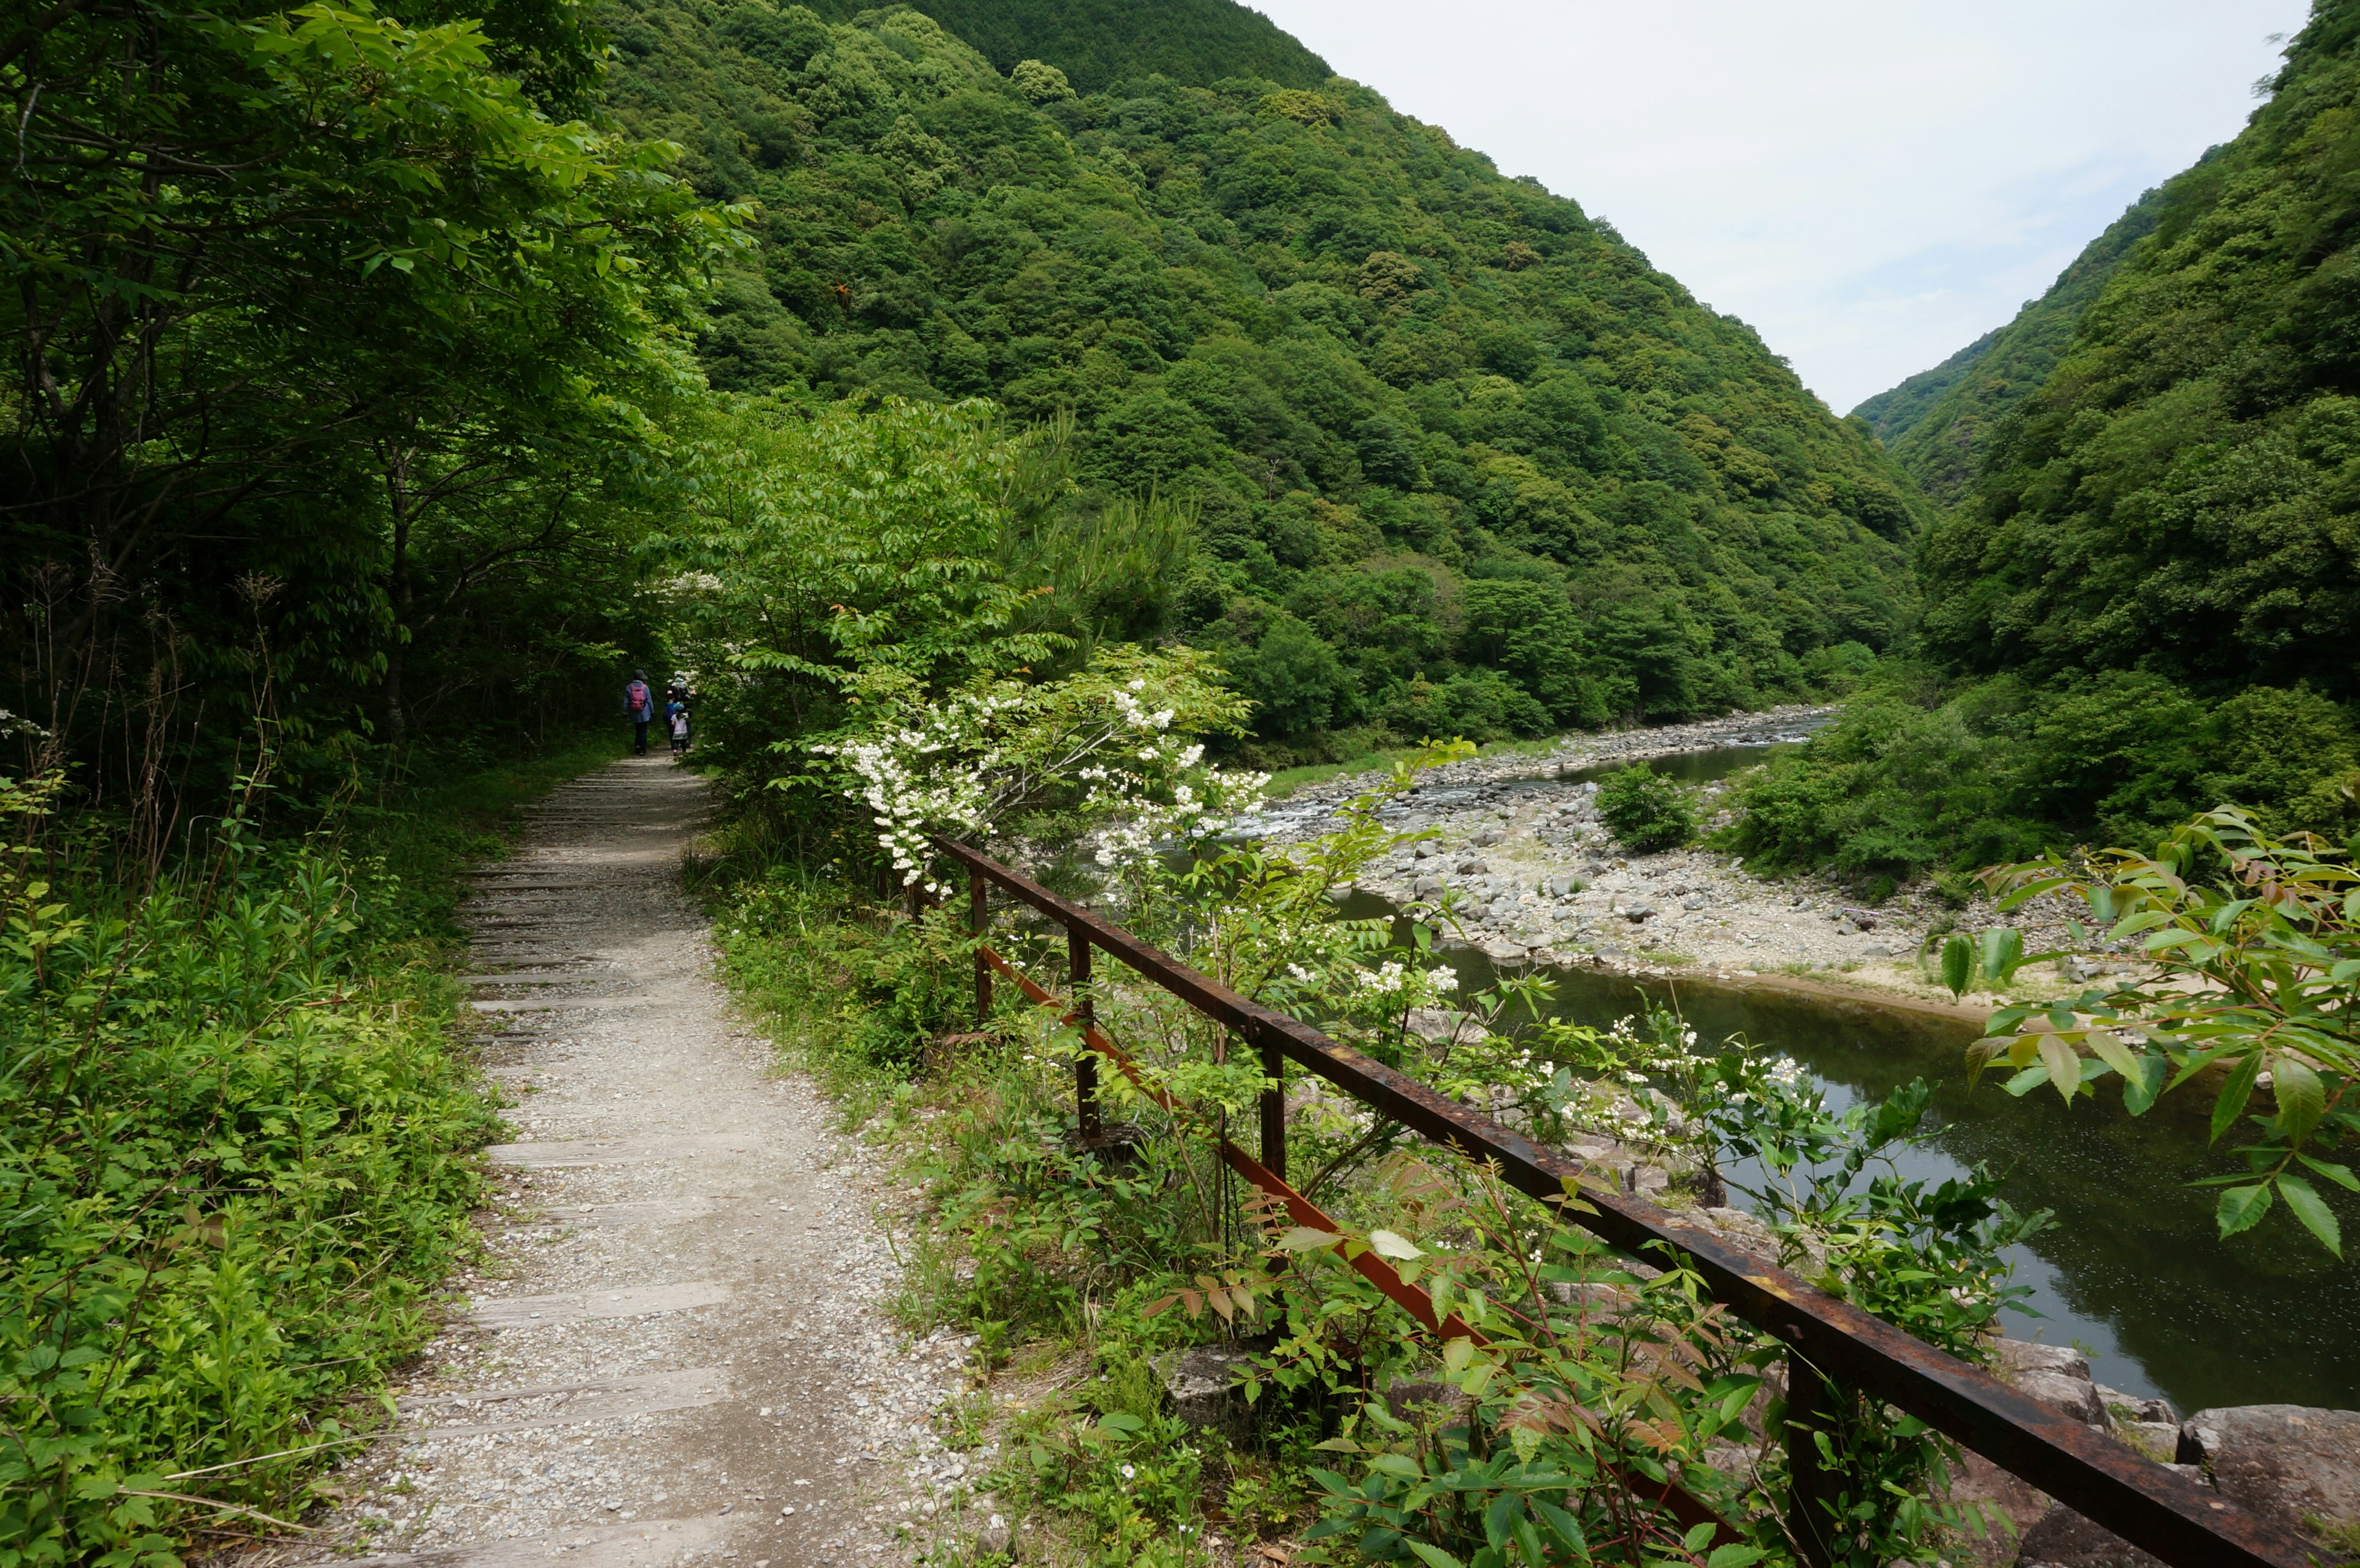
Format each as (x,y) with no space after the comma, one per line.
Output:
(677,1349)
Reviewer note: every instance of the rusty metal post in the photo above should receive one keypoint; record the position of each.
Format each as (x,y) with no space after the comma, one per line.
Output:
(1086,1065)
(1809,1411)
(1274,1109)
(979,917)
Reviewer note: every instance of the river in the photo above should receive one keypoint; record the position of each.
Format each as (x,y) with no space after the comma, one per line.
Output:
(2132,1272)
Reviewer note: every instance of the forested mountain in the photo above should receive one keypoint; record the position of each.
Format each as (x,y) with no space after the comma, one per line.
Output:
(1937,422)
(2147,602)
(1460,459)
(1100,42)
(2179,496)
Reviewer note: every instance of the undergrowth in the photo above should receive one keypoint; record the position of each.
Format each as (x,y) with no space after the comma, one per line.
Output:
(238,1151)
(1335,1429)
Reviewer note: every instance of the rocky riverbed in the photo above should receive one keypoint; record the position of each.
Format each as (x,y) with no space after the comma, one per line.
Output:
(1526,872)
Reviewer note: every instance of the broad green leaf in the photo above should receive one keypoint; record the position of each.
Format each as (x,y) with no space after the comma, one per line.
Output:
(2140,1088)
(2114,1051)
(2003,951)
(1386,1244)
(2303,1199)
(1957,964)
(2242,1208)
(1499,1518)
(2339,1174)
(1304,1238)
(2234,1093)
(2064,1065)
(1434,1556)
(1396,1464)
(2302,1099)
(1457,1355)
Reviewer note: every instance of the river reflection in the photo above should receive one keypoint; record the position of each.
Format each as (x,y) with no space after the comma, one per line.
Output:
(2132,1271)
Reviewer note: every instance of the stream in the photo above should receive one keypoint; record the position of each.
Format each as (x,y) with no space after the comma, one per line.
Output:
(2131,1271)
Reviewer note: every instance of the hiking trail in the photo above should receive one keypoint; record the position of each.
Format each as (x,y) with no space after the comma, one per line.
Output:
(677,1349)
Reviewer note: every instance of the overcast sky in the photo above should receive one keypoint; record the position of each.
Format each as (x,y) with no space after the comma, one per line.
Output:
(1870,185)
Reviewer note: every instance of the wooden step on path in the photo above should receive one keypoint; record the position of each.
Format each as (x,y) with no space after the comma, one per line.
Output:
(569,1404)
(554,1154)
(585,1306)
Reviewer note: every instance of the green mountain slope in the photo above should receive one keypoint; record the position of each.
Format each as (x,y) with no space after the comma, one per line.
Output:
(2182,495)
(1937,422)
(1100,42)
(2147,603)
(1459,458)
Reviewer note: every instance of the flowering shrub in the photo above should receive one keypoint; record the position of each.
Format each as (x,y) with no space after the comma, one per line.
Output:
(1113,753)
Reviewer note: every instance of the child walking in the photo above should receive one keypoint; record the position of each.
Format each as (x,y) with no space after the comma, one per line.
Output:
(679,712)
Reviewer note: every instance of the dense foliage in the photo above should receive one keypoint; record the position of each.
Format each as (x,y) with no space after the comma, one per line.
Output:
(1366,1440)
(2179,497)
(236,1155)
(1095,43)
(1916,776)
(1646,811)
(1458,459)
(2143,604)
(333,342)
(2252,990)
(1937,424)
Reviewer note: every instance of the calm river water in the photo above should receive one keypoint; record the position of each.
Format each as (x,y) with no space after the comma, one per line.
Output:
(2132,1270)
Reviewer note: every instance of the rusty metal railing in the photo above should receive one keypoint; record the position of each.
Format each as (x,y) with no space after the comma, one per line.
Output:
(1828,1341)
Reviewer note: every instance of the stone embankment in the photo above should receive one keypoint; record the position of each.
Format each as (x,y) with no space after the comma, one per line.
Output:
(1528,872)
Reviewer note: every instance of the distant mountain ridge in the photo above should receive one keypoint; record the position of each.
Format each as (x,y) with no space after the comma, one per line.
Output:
(1937,423)
(1098,43)
(1455,458)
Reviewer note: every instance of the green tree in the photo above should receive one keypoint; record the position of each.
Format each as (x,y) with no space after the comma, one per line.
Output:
(1644,810)
(385,299)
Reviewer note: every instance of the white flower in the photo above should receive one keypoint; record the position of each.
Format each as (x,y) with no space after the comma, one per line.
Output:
(1442,977)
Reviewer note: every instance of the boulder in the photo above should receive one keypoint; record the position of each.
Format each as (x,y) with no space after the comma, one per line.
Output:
(1741,1230)
(1472,866)
(1433,1023)
(1694,901)
(1427,886)
(1564,886)
(1486,838)
(2056,1375)
(2292,1464)
(1638,914)
(1445,1404)
(1202,1385)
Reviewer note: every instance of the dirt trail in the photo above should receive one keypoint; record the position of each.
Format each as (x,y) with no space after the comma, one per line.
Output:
(678,1351)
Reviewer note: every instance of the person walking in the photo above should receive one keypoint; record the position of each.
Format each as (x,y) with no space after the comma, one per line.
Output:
(639,707)
(676,716)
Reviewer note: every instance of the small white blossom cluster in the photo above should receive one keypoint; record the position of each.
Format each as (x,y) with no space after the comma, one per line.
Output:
(962,763)
(930,775)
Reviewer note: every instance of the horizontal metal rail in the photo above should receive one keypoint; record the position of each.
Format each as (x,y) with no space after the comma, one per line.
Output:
(1683,1505)
(2156,1509)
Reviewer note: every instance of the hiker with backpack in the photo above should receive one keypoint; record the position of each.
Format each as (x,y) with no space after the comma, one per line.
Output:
(639,707)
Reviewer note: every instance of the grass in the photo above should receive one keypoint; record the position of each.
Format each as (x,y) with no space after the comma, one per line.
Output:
(227,1223)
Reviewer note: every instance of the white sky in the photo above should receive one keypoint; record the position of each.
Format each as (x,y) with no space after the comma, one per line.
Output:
(1872,184)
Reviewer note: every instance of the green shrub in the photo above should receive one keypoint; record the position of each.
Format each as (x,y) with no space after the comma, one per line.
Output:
(1645,810)
(235,1153)
(1914,778)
